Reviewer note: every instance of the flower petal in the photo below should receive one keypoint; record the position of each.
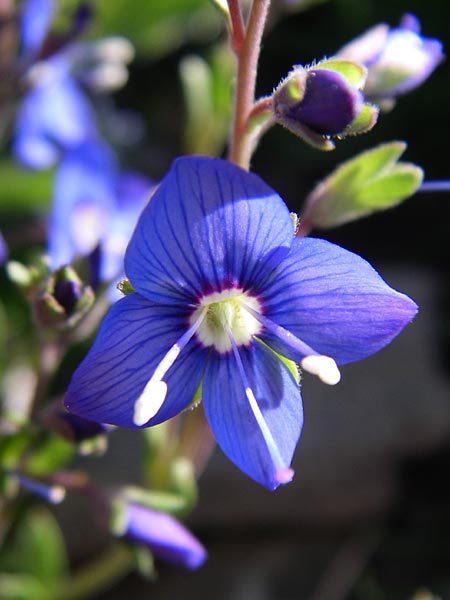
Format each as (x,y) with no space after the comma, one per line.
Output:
(210,225)
(43,127)
(334,301)
(234,422)
(132,340)
(133,191)
(36,16)
(84,200)
(166,537)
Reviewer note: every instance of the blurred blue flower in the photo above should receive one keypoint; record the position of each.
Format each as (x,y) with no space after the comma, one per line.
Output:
(95,209)
(165,537)
(398,59)
(3,249)
(222,290)
(35,19)
(56,114)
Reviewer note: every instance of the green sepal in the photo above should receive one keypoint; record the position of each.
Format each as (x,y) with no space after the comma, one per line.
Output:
(49,312)
(373,180)
(290,364)
(364,121)
(354,74)
(162,501)
(320,142)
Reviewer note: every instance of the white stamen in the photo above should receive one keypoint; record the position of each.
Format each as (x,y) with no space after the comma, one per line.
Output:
(56,494)
(150,401)
(323,366)
(155,390)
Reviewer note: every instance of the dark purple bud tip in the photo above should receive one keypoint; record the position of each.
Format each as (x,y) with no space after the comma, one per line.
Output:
(67,293)
(329,105)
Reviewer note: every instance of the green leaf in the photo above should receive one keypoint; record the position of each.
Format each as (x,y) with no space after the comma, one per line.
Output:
(37,550)
(371,181)
(156,28)
(22,587)
(23,190)
(207,94)
(51,453)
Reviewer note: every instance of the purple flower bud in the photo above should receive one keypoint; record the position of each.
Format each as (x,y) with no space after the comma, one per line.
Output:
(398,59)
(165,537)
(323,101)
(329,103)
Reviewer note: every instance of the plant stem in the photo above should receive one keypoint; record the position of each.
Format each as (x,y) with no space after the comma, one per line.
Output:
(237,25)
(100,574)
(242,142)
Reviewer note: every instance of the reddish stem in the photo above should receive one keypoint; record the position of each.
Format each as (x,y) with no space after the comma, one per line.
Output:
(237,25)
(242,144)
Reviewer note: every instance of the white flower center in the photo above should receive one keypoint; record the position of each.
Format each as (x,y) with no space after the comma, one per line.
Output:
(225,316)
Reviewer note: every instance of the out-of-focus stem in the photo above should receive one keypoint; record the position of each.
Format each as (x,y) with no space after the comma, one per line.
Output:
(100,574)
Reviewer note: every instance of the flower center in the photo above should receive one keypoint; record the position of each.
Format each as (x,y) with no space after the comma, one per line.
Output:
(224,316)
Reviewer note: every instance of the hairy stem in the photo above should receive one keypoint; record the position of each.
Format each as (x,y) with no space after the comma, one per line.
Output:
(237,25)
(242,142)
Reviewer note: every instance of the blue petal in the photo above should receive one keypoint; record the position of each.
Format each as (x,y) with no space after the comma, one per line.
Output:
(209,226)
(164,536)
(132,193)
(234,422)
(35,20)
(334,301)
(54,116)
(84,199)
(133,338)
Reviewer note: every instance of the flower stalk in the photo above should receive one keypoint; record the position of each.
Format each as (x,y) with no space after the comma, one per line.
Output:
(242,141)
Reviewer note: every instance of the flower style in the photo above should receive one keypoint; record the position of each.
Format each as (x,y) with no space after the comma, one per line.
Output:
(165,537)
(398,60)
(223,291)
(95,209)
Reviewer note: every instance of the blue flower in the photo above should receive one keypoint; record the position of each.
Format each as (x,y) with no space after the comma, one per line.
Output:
(95,209)
(165,537)
(398,60)
(55,113)
(223,288)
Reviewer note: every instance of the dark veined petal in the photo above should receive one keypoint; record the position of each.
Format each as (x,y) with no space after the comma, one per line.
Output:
(334,301)
(133,338)
(209,225)
(266,457)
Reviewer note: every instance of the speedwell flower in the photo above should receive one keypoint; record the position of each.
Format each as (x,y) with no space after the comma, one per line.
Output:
(398,59)
(95,209)
(165,537)
(222,290)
